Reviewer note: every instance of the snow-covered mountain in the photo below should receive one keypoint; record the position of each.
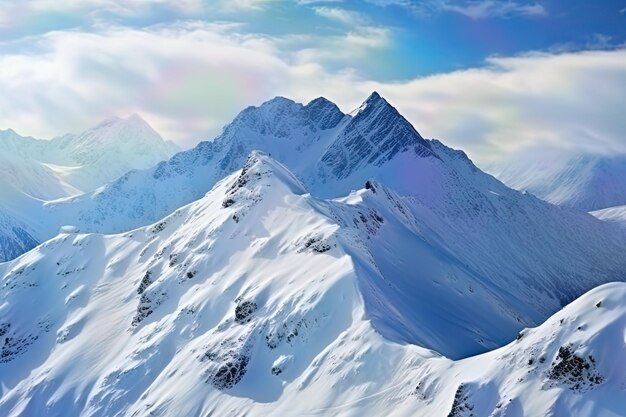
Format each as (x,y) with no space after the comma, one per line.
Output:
(583,181)
(23,170)
(499,235)
(262,299)
(73,164)
(33,170)
(109,150)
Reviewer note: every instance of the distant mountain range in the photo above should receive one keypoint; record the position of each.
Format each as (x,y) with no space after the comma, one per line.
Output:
(33,171)
(583,181)
(73,164)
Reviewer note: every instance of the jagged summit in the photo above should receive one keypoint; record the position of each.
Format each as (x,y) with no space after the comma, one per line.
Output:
(375,134)
(374,97)
(320,101)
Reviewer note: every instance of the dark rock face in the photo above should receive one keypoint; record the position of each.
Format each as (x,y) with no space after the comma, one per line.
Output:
(244,311)
(12,344)
(147,305)
(227,363)
(375,135)
(145,283)
(15,242)
(159,227)
(575,371)
(230,372)
(317,244)
(461,407)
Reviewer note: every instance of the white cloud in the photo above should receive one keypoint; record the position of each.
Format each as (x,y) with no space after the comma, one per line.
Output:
(234,5)
(475,9)
(340,15)
(189,79)
(13,13)
(481,9)
(568,101)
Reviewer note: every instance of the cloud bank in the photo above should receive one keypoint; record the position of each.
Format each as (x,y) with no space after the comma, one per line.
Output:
(190,78)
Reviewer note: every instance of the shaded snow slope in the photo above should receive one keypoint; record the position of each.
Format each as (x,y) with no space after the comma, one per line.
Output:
(259,299)
(585,182)
(16,237)
(22,168)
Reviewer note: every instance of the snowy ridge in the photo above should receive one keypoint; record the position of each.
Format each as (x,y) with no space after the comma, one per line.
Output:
(260,299)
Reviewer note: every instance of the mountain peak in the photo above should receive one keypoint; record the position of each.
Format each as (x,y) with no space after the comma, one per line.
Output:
(373,101)
(278,101)
(320,101)
(325,112)
(136,118)
(374,97)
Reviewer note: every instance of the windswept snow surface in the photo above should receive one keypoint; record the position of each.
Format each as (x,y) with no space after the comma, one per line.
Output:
(261,299)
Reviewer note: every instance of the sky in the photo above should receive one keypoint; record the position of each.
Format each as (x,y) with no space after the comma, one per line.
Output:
(492,77)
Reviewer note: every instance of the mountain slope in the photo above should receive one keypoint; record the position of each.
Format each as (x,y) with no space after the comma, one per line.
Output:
(260,299)
(16,237)
(584,182)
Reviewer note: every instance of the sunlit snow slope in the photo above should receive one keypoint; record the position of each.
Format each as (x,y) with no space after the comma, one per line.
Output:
(260,299)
